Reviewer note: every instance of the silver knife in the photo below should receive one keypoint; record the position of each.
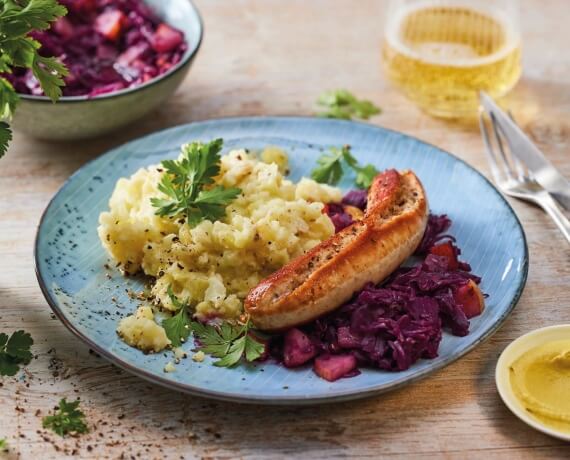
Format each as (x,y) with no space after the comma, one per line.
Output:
(521,146)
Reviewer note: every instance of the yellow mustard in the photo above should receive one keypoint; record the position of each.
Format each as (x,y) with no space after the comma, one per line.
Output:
(540,379)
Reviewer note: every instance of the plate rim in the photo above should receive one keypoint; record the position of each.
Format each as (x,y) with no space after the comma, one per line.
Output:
(329,397)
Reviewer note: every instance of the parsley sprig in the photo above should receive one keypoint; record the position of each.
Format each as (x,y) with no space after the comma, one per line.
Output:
(330,168)
(177,327)
(66,419)
(186,183)
(14,350)
(343,104)
(18,49)
(229,342)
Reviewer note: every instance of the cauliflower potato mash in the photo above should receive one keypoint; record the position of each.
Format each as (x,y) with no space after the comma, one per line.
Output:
(141,331)
(214,264)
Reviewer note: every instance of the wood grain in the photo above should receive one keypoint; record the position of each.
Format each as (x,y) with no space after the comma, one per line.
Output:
(274,57)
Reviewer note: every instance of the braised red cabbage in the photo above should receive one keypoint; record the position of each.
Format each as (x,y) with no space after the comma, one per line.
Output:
(437,225)
(107,45)
(356,198)
(340,218)
(393,325)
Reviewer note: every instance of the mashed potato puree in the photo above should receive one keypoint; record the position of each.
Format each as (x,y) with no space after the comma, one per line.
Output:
(215,264)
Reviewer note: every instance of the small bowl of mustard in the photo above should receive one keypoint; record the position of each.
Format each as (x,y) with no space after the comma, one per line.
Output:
(533,379)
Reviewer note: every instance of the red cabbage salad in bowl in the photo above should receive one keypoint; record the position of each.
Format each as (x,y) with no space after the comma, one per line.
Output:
(107,45)
(394,324)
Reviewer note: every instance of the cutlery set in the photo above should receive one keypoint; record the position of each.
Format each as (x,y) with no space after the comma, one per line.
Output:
(519,168)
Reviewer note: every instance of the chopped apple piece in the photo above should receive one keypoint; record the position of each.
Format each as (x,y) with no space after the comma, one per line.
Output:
(297,348)
(333,367)
(448,251)
(166,38)
(353,211)
(110,23)
(470,298)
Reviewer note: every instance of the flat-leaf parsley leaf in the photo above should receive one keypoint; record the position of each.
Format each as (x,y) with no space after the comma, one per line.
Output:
(364,175)
(187,184)
(330,168)
(229,342)
(343,104)
(67,419)
(177,327)
(18,49)
(14,350)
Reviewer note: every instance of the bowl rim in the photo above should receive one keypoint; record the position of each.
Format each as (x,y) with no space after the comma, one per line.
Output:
(186,59)
(503,384)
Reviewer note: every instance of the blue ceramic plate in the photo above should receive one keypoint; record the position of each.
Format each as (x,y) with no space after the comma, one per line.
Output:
(70,259)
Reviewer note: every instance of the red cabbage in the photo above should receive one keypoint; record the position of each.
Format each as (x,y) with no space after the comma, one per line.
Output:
(107,45)
(437,224)
(337,212)
(340,218)
(393,325)
(356,198)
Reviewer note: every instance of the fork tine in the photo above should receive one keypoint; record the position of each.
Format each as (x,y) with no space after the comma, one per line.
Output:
(507,166)
(489,150)
(520,168)
(522,171)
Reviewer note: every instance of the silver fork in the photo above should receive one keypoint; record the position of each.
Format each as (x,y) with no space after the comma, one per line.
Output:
(514,179)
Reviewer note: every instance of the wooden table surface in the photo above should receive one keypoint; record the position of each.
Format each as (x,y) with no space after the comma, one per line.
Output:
(273,57)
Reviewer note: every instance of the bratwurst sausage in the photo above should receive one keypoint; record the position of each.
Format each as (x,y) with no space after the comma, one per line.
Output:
(368,250)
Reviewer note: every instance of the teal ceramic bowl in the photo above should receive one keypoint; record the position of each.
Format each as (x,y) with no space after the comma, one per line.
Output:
(78,117)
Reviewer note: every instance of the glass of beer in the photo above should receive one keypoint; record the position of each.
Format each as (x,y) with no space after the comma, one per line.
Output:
(441,53)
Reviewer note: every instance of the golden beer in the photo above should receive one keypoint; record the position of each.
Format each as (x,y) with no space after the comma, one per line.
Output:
(442,55)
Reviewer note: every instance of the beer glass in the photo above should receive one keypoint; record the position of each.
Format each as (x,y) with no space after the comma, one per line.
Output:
(441,53)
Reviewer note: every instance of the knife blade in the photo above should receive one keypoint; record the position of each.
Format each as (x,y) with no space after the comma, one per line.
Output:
(522,147)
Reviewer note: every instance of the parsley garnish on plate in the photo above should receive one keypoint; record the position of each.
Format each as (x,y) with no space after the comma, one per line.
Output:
(3,445)
(187,183)
(67,419)
(330,168)
(177,327)
(18,49)
(342,104)
(229,342)
(14,350)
